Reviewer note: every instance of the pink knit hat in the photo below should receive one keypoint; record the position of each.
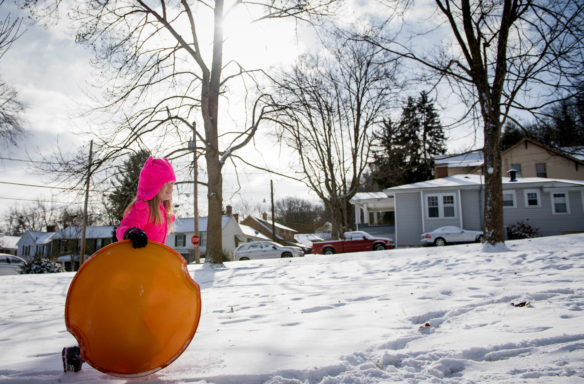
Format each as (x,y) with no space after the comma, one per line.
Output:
(154,174)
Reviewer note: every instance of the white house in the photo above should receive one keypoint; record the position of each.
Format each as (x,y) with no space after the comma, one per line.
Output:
(183,230)
(35,243)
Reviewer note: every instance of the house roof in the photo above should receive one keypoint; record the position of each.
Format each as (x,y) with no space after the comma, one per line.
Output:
(475,181)
(187,224)
(373,200)
(250,232)
(9,242)
(91,232)
(268,225)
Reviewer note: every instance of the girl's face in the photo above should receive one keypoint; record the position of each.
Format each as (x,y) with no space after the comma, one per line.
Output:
(165,192)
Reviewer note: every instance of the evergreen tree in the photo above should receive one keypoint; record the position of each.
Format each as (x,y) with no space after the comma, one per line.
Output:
(511,136)
(125,185)
(405,150)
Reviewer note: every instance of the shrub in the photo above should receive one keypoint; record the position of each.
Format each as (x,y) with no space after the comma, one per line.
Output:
(41,265)
(522,230)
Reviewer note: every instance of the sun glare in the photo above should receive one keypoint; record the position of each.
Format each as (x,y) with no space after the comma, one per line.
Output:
(263,43)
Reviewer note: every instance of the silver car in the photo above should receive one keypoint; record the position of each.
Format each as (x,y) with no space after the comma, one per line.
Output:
(265,250)
(10,264)
(450,235)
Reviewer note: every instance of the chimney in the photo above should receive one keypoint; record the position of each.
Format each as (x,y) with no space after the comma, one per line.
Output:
(265,216)
(512,175)
(51,228)
(229,210)
(236,216)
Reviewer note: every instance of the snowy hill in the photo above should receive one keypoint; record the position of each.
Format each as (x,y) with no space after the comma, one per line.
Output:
(427,315)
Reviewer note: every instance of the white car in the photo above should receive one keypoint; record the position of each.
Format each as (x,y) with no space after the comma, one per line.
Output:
(451,235)
(10,264)
(265,250)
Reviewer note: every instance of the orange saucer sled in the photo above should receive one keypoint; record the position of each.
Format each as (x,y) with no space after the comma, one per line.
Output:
(133,311)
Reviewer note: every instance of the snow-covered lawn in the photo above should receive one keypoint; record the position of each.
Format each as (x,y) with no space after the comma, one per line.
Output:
(426,315)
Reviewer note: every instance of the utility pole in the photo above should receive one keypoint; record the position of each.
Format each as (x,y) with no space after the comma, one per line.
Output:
(195,194)
(273,216)
(83,234)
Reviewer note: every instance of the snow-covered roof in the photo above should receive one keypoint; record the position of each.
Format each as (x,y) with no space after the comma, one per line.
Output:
(268,225)
(45,237)
(91,232)
(576,152)
(471,159)
(250,232)
(187,224)
(473,181)
(373,200)
(9,242)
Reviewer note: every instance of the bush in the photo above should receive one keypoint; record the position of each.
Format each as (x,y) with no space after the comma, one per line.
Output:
(522,230)
(40,265)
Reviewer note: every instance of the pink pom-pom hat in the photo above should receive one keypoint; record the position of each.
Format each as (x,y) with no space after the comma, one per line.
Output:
(154,174)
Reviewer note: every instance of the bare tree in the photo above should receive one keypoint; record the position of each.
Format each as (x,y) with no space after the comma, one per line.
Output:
(165,75)
(503,57)
(11,125)
(332,103)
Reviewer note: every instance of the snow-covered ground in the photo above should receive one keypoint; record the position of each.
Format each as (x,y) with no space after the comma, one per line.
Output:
(427,315)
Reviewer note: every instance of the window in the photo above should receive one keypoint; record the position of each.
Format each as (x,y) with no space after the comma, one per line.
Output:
(540,170)
(509,199)
(441,206)
(532,199)
(180,240)
(560,203)
(517,167)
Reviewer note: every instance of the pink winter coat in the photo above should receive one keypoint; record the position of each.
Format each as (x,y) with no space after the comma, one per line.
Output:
(138,217)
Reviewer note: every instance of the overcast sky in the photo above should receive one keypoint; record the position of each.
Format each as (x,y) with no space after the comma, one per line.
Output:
(51,74)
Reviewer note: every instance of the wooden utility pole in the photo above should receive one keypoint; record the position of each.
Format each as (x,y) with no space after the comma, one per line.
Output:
(273,216)
(83,233)
(196,193)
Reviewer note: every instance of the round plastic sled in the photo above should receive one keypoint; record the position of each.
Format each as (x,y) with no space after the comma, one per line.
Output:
(133,311)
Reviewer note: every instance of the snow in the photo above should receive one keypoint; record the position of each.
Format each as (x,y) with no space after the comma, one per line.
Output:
(421,315)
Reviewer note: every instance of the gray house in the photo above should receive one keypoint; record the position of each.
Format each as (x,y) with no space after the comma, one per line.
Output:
(553,206)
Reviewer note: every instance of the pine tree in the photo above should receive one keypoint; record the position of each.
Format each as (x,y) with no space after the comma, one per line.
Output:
(125,185)
(406,149)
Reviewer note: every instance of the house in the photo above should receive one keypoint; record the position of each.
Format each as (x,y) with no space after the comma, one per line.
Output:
(184,228)
(553,206)
(528,157)
(9,244)
(284,235)
(374,213)
(66,243)
(35,243)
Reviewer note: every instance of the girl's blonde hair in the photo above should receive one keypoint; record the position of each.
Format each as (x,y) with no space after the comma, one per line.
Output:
(155,211)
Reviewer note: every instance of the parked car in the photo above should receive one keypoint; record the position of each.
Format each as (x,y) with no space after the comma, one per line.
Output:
(451,235)
(356,241)
(10,264)
(265,250)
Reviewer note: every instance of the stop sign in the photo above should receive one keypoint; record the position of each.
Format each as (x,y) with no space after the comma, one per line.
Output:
(195,240)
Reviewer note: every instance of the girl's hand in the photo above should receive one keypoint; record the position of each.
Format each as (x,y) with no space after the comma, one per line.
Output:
(137,236)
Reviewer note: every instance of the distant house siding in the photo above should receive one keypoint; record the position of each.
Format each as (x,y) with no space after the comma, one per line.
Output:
(472,210)
(431,223)
(542,216)
(529,154)
(409,216)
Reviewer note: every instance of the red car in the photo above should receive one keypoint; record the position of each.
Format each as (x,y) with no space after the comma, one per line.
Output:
(357,241)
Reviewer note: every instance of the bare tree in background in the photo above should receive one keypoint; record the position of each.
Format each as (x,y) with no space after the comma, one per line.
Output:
(11,125)
(332,103)
(165,76)
(501,57)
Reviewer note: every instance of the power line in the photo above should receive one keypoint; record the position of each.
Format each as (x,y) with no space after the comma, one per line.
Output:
(46,186)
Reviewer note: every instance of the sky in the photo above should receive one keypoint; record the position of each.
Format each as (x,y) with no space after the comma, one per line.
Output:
(451,314)
(53,75)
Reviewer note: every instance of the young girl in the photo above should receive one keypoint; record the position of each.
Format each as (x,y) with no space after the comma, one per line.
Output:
(149,216)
